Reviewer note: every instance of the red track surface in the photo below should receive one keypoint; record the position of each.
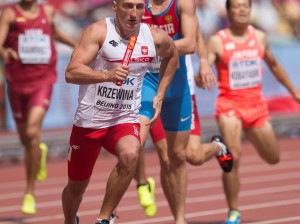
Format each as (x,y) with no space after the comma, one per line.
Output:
(269,194)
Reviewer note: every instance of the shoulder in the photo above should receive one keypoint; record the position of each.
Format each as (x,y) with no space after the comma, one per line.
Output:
(215,40)
(97,26)
(261,37)
(49,9)
(8,13)
(260,34)
(215,44)
(96,31)
(186,6)
(159,35)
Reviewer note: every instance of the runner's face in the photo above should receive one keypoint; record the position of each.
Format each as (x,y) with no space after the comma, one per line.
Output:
(129,13)
(239,12)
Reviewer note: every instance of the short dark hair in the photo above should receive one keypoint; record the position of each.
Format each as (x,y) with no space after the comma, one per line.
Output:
(228,4)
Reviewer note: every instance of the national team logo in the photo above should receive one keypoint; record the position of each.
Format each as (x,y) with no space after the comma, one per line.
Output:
(20,19)
(144,50)
(251,43)
(168,18)
(230,46)
(135,130)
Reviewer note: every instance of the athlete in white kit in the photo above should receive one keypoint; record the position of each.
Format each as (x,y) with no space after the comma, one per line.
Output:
(107,114)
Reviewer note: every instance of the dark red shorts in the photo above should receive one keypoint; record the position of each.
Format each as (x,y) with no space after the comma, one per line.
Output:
(22,101)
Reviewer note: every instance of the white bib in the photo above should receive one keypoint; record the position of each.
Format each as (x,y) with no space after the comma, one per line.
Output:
(245,73)
(34,49)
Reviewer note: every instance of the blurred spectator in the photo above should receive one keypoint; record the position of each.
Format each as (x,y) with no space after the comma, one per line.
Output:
(283,26)
(100,12)
(2,98)
(218,5)
(208,18)
(289,13)
(258,16)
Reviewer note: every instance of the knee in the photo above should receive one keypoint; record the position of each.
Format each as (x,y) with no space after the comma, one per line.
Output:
(128,159)
(177,157)
(274,159)
(75,191)
(31,134)
(193,157)
(236,159)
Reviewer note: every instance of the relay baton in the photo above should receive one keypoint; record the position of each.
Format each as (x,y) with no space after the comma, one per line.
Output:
(128,53)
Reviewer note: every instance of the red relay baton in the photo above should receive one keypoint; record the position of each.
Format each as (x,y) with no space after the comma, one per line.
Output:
(128,53)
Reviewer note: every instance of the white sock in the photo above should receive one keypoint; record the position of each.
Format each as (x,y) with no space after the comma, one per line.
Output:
(222,148)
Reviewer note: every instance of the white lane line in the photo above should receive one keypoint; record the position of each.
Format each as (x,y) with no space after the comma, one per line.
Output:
(246,167)
(283,220)
(192,175)
(191,187)
(170,218)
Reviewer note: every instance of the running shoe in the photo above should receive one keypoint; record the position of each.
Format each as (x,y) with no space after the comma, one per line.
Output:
(225,157)
(112,218)
(76,220)
(234,217)
(28,205)
(42,169)
(146,195)
(103,221)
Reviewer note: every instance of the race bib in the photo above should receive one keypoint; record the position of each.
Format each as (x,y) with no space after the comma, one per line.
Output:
(34,49)
(245,73)
(113,97)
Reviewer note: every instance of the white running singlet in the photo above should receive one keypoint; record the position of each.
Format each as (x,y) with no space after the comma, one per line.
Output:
(106,104)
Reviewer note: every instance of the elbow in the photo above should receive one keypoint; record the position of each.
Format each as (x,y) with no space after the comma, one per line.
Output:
(68,76)
(191,49)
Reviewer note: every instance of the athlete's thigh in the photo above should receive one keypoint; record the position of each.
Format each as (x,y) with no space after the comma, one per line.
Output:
(41,97)
(177,143)
(38,104)
(231,131)
(264,140)
(120,136)
(144,129)
(35,118)
(18,102)
(84,148)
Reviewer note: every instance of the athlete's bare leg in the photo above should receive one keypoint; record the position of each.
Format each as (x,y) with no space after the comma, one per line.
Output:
(198,153)
(231,131)
(29,134)
(72,197)
(162,149)
(176,173)
(127,151)
(264,141)
(140,174)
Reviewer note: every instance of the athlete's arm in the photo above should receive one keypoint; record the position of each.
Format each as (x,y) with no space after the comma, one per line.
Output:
(58,35)
(188,18)
(213,50)
(276,68)
(78,70)
(205,74)
(6,20)
(166,49)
